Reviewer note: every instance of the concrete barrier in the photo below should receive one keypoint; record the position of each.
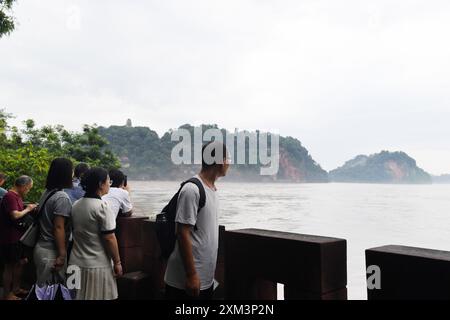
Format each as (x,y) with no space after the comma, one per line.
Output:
(135,284)
(408,273)
(219,293)
(250,263)
(153,265)
(310,267)
(129,237)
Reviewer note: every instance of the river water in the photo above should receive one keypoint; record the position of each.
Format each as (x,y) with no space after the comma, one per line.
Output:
(366,215)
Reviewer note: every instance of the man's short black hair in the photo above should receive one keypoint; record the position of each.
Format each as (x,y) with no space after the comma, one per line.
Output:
(80,169)
(117,178)
(209,153)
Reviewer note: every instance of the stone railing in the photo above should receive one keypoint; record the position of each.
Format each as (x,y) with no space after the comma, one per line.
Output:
(250,264)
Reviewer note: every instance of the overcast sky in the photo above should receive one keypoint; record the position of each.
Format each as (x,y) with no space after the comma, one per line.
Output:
(344,77)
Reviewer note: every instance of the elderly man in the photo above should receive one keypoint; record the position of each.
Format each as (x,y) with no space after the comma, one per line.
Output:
(11,210)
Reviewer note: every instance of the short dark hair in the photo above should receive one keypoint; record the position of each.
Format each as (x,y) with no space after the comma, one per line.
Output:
(92,179)
(80,169)
(214,145)
(60,174)
(22,181)
(2,176)
(117,177)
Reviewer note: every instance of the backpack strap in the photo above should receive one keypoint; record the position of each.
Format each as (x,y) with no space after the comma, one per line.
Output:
(202,191)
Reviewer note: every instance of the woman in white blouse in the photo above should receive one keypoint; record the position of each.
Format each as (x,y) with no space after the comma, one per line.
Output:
(95,250)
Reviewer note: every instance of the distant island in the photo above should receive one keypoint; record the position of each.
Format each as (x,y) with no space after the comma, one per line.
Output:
(383,167)
(146,156)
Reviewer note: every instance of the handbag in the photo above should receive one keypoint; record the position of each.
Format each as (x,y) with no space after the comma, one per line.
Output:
(31,235)
(54,290)
(25,222)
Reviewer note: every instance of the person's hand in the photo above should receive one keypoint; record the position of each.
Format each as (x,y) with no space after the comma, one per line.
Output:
(118,272)
(127,188)
(193,285)
(60,261)
(31,207)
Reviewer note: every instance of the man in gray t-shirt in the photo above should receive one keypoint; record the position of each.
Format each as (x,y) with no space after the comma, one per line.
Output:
(191,266)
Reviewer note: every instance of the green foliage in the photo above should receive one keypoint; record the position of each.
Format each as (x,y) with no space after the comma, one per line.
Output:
(88,146)
(30,150)
(7,24)
(26,160)
(4,127)
(140,150)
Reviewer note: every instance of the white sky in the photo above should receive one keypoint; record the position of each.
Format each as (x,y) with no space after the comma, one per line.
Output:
(344,77)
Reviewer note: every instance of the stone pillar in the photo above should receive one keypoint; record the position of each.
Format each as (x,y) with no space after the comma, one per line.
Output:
(135,284)
(310,267)
(129,238)
(219,294)
(153,264)
(409,273)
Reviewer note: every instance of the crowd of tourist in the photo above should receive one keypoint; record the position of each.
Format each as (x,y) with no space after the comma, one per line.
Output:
(76,218)
(77,222)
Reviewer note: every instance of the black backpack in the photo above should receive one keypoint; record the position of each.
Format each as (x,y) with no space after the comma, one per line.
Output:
(165,221)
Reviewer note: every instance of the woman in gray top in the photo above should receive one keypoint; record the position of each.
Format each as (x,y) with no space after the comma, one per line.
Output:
(95,250)
(51,250)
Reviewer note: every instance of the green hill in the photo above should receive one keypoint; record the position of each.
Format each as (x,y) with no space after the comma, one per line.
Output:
(146,156)
(383,167)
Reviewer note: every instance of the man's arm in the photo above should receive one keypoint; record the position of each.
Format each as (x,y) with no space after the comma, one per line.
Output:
(126,206)
(185,246)
(15,214)
(126,214)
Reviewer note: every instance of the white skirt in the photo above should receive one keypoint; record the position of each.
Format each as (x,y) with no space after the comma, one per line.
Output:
(97,284)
